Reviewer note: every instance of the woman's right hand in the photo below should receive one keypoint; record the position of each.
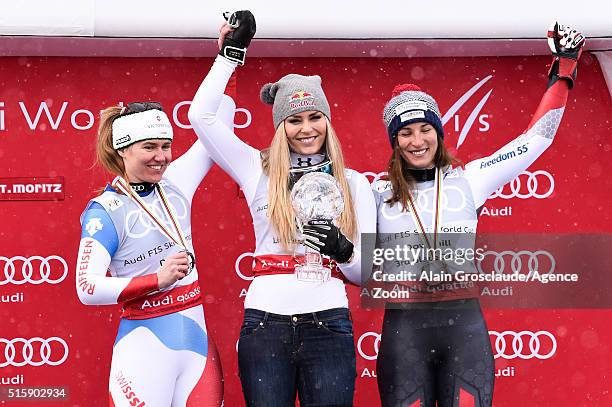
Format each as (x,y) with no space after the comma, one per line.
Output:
(174,268)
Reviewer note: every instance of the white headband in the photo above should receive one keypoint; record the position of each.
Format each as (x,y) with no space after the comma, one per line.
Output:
(135,127)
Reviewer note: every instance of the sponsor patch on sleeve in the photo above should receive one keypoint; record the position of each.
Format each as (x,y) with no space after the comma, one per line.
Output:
(381,185)
(93,226)
(112,203)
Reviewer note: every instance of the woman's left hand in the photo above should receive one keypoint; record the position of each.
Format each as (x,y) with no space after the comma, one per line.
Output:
(235,35)
(323,236)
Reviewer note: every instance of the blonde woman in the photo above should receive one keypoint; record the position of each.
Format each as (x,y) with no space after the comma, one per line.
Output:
(136,250)
(297,336)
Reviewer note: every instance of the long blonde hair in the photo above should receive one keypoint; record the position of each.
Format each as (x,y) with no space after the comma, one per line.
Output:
(276,161)
(106,155)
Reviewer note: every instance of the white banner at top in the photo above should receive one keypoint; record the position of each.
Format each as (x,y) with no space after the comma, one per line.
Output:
(315,19)
(48,18)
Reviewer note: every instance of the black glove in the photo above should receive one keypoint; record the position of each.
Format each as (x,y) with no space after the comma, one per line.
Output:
(235,43)
(323,236)
(566,46)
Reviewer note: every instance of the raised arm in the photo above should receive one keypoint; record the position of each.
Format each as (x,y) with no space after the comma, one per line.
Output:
(487,174)
(187,171)
(238,159)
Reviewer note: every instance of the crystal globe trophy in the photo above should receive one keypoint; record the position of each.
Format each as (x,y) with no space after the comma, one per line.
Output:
(315,196)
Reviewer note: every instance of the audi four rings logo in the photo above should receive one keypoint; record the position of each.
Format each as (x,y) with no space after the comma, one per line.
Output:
(34,351)
(507,345)
(141,224)
(35,269)
(541,261)
(237,266)
(538,184)
(524,344)
(453,199)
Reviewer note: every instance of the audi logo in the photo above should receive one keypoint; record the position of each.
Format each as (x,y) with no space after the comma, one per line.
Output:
(507,344)
(20,270)
(538,184)
(526,185)
(453,199)
(34,351)
(237,266)
(140,224)
(524,344)
(534,260)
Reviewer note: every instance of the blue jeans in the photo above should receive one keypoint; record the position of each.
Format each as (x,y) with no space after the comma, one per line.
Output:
(312,355)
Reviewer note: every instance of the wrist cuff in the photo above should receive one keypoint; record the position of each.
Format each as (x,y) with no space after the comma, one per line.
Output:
(234,54)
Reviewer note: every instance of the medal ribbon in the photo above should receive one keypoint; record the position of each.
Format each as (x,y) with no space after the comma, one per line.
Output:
(437,215)
(120,184)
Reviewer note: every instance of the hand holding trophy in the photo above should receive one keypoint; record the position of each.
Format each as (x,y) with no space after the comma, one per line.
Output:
(317,200)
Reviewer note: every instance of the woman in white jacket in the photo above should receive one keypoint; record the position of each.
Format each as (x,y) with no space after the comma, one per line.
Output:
(297,335)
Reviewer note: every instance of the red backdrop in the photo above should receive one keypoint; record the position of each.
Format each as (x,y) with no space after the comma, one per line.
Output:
(569,196)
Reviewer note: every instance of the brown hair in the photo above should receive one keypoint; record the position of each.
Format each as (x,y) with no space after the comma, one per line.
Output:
(106,155)
(401,180)
(275,161)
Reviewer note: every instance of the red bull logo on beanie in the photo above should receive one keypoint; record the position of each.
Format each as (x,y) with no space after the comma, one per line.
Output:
(301,99)
(300,95)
